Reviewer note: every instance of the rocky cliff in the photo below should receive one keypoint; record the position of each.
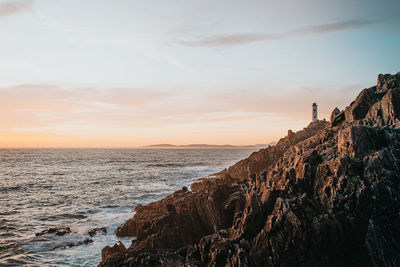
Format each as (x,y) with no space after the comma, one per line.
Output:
(327,195)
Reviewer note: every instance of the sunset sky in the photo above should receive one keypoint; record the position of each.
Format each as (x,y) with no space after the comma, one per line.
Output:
(124,73)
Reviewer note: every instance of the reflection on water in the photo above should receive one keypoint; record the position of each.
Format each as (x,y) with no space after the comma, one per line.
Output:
(87,188)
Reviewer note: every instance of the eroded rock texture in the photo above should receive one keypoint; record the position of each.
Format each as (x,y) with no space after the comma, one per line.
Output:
(325,196)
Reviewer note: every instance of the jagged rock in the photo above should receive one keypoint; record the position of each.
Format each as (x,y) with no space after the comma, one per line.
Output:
(92,232)
(337,117)
(264,158)
(359,108)
(219,250)
(113,253)
(387,111)
(169,223)
(334,113)
(387,81)
(321,196)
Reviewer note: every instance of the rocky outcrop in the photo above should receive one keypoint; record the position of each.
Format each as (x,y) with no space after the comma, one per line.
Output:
(264,158)
(327,195)
(337,117)
(387,82)
(210,206)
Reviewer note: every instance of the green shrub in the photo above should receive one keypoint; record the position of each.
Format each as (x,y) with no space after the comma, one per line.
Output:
(354,160)
(354,179)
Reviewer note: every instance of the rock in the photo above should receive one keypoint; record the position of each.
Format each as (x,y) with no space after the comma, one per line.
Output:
(290,134)
(387,81)
(60,231)
(71,244)
(357,141)
(264,158)
(113,252)
(169,223)
(326,195)
(387,111)
(171,208)
(334,113)
(360,107)
(337,117)
(92,232)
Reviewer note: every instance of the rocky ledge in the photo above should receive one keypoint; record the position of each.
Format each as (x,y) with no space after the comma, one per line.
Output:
(327,195)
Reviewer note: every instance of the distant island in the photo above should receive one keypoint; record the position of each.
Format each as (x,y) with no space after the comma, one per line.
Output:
(207,146)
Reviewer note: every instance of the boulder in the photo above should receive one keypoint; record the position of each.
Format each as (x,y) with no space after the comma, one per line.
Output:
(360,107)
(337,117)
(334,113)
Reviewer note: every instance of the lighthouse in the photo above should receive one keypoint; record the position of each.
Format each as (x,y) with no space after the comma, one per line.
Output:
(314,112)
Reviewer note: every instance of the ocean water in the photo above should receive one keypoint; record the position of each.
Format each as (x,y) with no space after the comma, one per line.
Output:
(87,188)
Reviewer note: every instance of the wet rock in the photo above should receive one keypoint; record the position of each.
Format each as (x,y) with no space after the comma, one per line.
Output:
(72,244)
(92,232)
(60,231)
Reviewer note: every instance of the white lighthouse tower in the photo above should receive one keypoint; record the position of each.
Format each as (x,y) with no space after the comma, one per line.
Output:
(314,112)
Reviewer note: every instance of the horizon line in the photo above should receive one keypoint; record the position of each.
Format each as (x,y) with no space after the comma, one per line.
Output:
(136,147)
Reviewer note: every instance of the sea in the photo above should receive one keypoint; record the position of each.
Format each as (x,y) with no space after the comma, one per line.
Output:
(84,189)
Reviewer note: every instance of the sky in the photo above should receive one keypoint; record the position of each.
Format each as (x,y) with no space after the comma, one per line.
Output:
(126,73)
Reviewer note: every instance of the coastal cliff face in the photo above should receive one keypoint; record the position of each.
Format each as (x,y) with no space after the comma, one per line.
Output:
(327,195)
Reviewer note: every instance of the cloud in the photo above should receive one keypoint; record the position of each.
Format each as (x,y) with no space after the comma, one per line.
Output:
(14,7)
(31,105)
(239,39)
